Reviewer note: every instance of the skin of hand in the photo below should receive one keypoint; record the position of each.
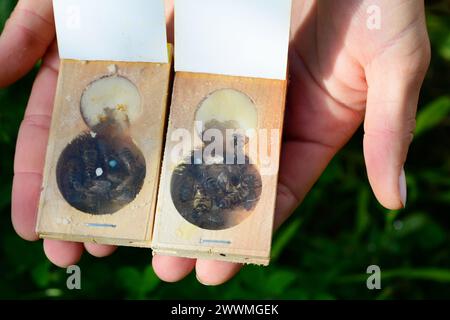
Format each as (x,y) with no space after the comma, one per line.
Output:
(342,75)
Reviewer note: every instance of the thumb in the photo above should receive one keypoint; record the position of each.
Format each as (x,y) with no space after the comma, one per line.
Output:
(394,84)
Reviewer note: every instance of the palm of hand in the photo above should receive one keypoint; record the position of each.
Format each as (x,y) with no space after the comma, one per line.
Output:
(337,67)
(343,73)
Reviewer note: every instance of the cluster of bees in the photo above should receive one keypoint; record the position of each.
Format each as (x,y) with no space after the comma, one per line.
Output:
(225,194)
(100,175)
(207,195)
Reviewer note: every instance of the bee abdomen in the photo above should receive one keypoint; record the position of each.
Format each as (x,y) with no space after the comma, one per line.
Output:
(202,203)
(127,157)
(210,184)
(231,200)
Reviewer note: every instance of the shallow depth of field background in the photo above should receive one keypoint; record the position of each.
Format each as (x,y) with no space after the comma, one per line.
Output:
(324,249)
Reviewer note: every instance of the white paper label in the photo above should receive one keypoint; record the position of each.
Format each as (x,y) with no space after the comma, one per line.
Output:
(247,38)
(117,30)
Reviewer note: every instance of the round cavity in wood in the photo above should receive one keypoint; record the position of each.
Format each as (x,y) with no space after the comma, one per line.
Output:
(227,109)
(110,99)
(100,174)
(215,196)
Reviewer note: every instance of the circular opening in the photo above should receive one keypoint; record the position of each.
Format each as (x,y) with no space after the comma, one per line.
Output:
(110,99)
(216,196)
(227,109)
(101,174)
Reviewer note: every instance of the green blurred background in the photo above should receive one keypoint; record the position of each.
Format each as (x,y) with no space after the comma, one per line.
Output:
(324,249)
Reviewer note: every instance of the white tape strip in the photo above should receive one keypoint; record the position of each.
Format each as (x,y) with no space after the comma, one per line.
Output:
(117,30)
(233,37)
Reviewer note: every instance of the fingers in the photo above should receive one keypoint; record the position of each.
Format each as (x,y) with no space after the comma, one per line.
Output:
(209,272)
(317,126)
(214,273)
(98,250)
(29,163)
(25,38)
(306,152)
(172,269)
(24,203)
(62,253)
(31,148)
(394,85)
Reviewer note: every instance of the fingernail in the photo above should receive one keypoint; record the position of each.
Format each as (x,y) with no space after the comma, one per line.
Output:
(201,282)
(403,188)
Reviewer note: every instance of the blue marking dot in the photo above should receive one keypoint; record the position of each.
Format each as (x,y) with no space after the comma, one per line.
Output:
(113,163)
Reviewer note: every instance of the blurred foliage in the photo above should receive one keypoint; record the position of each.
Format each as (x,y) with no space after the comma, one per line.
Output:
(324,249)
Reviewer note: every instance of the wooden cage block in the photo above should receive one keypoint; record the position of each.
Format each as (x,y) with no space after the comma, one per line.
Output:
(102,165)
(219,211)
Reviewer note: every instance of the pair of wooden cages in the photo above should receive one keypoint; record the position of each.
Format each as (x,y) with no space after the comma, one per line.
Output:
(117,173)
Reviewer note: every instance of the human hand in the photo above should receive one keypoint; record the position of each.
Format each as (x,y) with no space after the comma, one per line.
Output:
(341,73)
(28,36)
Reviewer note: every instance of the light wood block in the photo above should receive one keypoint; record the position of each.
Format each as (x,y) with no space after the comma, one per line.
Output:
(248,232)
(131,224)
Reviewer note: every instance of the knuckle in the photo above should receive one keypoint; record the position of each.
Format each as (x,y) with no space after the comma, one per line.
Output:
(427,55)
(42,122)
(404,130)
(419,61)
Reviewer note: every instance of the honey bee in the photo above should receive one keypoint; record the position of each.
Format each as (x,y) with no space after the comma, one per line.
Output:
(202,203)
(244,192)
(228,201)
(210,184)
(223,182)
(127,158)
